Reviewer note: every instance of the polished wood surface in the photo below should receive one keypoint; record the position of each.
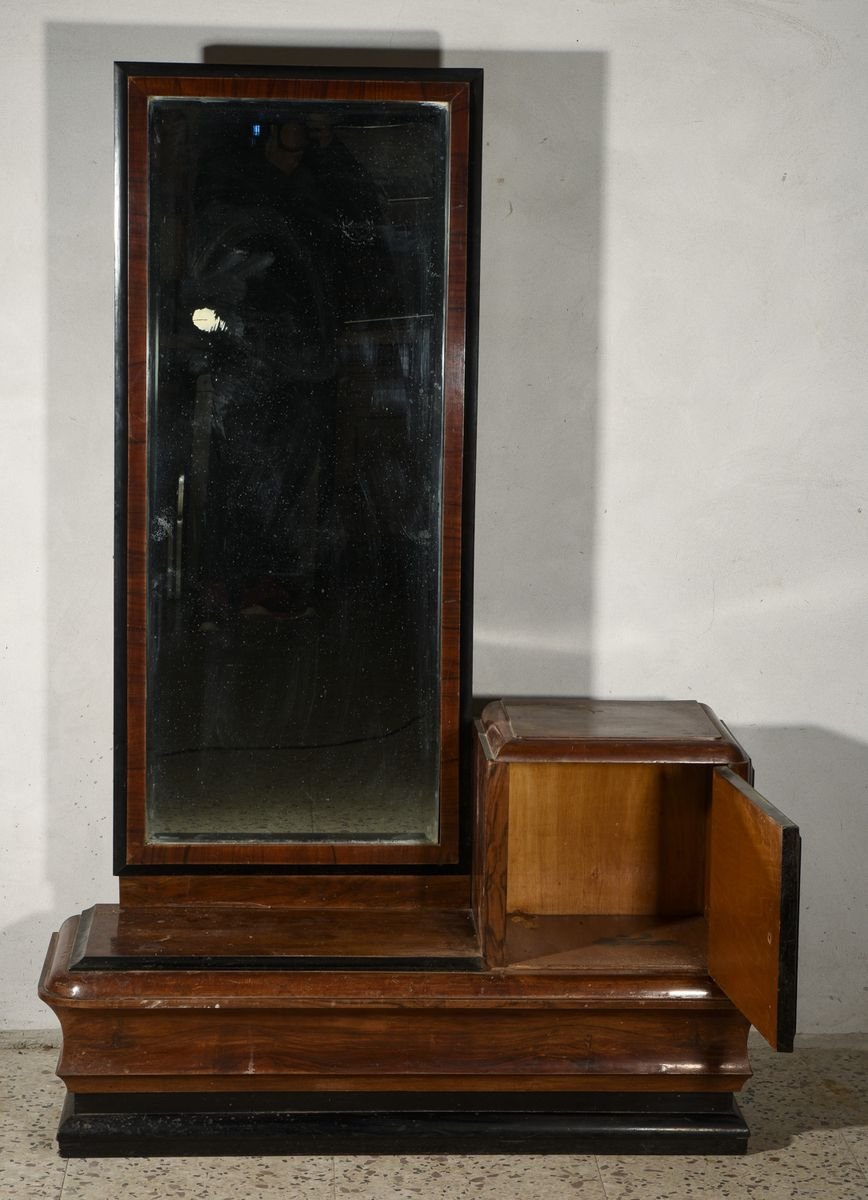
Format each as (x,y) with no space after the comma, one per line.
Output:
(729,1077)
(606,838)
(753,906)
(237,932)
(298,891)
(383,1046)
(213,1030)
(450,90)
(607,945)
(490,856)
(568,730)
(64,988)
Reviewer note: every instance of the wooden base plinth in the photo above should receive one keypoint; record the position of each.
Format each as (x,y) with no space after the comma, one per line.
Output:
(409,1123)
(168,1053)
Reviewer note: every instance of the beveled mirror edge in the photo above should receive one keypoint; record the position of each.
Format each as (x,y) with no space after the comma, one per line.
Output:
(450,855)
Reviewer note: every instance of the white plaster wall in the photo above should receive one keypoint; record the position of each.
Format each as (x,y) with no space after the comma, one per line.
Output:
(673,455)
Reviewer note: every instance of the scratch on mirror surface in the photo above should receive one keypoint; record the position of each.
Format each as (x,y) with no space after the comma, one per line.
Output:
(381,320)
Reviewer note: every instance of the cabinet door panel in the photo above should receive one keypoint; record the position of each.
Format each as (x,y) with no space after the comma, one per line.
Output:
(753,895)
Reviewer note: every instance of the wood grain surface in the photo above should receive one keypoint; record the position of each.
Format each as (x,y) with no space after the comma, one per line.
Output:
(607,945)
(753,906)
(379,1046)
(607,838)
(239,932)
(298,891)
(491,839)
(583,730)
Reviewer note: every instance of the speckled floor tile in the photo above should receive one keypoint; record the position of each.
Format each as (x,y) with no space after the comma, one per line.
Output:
(857,1142)
(29,1176)
(448,1177)
(23,1070)
(815,1167)
(808,1114)
(31,1097)
(801,1109)
(198,1178)
(814,1089)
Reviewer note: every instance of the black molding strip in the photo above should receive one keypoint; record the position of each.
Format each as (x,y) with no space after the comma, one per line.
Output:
(121,473)
(106,1126)
(788,950)
(322,1102)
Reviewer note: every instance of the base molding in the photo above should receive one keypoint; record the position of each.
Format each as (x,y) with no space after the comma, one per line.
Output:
(307,1062)
(263,1123)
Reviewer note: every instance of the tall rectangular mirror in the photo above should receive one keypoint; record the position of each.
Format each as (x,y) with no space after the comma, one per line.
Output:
(296,257)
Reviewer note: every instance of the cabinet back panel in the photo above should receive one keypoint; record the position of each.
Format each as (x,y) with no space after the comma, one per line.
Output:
(605,838)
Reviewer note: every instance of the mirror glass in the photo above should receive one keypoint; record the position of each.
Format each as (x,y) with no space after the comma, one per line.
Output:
(297,264)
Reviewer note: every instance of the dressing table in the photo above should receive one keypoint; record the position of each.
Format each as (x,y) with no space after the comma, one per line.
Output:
(355,914)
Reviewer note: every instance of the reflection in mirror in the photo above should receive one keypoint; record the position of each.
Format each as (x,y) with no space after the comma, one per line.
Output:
(295,428)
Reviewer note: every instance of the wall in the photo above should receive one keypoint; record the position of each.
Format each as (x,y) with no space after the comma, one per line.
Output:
(672,429)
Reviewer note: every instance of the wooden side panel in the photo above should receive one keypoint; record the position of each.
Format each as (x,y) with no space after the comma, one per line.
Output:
(753,886)
(381,1049)
(490,856)
(298,891)
(607,838)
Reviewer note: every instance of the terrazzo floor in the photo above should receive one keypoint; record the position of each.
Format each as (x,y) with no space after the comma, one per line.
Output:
(808,1114)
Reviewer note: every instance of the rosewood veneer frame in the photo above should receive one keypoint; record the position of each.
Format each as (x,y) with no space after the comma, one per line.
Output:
(460,91)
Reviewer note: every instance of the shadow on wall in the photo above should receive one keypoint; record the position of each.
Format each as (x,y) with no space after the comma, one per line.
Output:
(543,191)
(423,54)
(820,780)
(539,335)
(542,185)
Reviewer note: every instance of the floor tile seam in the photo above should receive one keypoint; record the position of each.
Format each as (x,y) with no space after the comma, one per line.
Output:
(848,1156)
(603,1189)
(860,1129)
(851,1154)
(62,1187)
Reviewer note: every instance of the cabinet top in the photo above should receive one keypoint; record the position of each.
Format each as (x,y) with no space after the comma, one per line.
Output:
(585,730)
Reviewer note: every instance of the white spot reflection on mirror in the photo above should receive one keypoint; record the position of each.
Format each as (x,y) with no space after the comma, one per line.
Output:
(207,320)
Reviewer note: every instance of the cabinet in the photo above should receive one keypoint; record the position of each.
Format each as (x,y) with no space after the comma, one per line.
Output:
(625,839)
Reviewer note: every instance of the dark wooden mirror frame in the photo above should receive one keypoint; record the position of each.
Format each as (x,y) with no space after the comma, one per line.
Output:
(461,91)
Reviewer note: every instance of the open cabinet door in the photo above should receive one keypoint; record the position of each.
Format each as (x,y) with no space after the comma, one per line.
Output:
(753,906)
